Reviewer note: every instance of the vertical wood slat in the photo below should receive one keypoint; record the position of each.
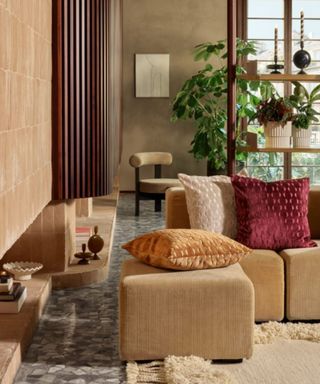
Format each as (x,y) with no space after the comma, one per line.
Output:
(65,96)
(88,185)
(85,140)
(232,62)
(83,96)
(57,103)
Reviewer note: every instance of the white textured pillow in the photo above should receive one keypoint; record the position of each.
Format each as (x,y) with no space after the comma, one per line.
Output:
(210,203)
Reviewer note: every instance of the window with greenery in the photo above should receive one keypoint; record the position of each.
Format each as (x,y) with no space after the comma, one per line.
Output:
(261,18)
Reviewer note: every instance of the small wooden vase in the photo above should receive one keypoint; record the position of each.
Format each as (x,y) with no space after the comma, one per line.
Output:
(95,244)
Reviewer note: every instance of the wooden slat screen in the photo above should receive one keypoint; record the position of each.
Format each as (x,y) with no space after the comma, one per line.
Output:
(87,83)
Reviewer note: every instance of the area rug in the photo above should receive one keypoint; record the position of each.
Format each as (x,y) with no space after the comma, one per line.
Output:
(267,333)
(195,370)
(178,370)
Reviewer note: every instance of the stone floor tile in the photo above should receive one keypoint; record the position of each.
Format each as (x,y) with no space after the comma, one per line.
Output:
(77,337)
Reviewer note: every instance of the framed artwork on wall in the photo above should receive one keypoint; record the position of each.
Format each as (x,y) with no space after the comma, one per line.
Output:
(152,74)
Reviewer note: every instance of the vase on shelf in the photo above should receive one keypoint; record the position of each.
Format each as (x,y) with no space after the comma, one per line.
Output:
(301,137)
(95,244)
(278,135)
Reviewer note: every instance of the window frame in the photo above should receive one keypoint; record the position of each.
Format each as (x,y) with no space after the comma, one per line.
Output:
(287,37)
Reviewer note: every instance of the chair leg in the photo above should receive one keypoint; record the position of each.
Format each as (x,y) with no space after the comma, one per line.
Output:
(157,205)
(137,213)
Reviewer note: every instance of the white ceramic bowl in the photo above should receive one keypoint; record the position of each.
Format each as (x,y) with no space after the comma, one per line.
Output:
(22,270)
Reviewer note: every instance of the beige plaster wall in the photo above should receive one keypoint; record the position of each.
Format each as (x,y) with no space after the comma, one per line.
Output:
(164,26)
(25,115)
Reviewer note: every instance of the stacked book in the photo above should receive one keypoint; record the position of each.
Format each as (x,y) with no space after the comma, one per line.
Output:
(12,295)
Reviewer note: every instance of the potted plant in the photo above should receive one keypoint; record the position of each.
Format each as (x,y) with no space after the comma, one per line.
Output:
(203,99)
(275,115)
(305,114)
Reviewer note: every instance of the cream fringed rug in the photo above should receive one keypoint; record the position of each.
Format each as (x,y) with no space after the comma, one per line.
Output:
(268,332)
(177,370)
(283,354)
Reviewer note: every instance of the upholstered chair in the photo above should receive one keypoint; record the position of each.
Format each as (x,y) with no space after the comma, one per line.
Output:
(155,188)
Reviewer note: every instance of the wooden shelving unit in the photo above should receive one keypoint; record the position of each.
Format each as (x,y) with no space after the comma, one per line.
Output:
(281,77)
(314,149)
(232,77)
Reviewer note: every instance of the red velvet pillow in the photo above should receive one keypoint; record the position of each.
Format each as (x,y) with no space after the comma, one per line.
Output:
(272,215)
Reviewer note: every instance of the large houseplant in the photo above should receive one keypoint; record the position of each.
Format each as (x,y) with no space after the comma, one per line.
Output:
(203,99)
(305,114)
(275,115)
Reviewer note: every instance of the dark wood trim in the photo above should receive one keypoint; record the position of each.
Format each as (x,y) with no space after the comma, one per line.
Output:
(57,105)
(232,62)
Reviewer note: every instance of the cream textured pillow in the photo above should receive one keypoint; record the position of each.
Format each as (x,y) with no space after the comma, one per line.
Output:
(211,203)
(186,249)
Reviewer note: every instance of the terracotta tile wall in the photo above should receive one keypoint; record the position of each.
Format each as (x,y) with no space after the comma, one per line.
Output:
(25,115)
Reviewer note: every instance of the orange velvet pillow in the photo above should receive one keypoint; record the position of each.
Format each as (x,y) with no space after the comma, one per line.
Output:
(186,249)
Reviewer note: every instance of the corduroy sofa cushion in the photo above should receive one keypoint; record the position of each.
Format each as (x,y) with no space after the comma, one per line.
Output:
(186,249)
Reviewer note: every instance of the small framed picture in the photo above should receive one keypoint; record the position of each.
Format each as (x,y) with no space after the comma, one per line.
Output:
(152,74)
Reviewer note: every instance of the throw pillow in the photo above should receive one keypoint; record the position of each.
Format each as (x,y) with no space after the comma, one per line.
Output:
(186,249)
(210,203)
(272,215)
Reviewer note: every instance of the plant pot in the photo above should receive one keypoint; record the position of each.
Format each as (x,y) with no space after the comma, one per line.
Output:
(277,135)
(214,172)
(301,137)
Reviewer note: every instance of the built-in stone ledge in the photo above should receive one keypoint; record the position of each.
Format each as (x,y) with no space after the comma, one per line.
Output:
(16,330)
(50,240)
(103,215)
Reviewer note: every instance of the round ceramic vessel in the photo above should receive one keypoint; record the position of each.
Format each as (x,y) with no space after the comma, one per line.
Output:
(301,137)
(22,270)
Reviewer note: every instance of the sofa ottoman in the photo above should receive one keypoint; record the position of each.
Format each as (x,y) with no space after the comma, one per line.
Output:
(265,268)
(207,313)
(302,283)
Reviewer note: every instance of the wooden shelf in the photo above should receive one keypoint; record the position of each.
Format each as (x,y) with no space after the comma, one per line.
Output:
(313,149)
(281,77)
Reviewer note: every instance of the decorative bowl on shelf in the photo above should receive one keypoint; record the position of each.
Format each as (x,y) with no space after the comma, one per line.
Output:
(22,270)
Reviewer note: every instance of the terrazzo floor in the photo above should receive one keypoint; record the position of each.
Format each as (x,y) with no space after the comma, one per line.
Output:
(77,338)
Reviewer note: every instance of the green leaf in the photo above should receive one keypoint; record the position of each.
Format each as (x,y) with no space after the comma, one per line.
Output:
(181,111)
(192,102)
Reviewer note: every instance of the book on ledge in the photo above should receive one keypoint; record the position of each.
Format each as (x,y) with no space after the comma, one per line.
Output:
(14,306)
(12,294)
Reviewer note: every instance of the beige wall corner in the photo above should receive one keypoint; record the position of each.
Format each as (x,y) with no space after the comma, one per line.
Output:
(50,239)
(25,115)
(84,207)
(174,27)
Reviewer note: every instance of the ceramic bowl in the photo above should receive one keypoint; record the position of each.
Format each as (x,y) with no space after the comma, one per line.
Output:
(22,270)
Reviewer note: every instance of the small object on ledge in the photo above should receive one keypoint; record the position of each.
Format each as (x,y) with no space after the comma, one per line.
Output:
(22,270)
(275,67)
(302,58)
(6,282)
(251,67)
(252,140)
(95,244)
(84,256)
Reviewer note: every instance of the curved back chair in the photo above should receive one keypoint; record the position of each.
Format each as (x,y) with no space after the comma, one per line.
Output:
(151,189)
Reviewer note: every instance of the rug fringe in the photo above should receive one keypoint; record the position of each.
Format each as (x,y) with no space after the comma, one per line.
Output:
(146,373)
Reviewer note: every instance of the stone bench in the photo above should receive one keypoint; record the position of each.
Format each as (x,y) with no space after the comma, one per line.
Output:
(207,313)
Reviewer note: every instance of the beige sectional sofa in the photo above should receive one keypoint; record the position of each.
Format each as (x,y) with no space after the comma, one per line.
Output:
(286,284)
